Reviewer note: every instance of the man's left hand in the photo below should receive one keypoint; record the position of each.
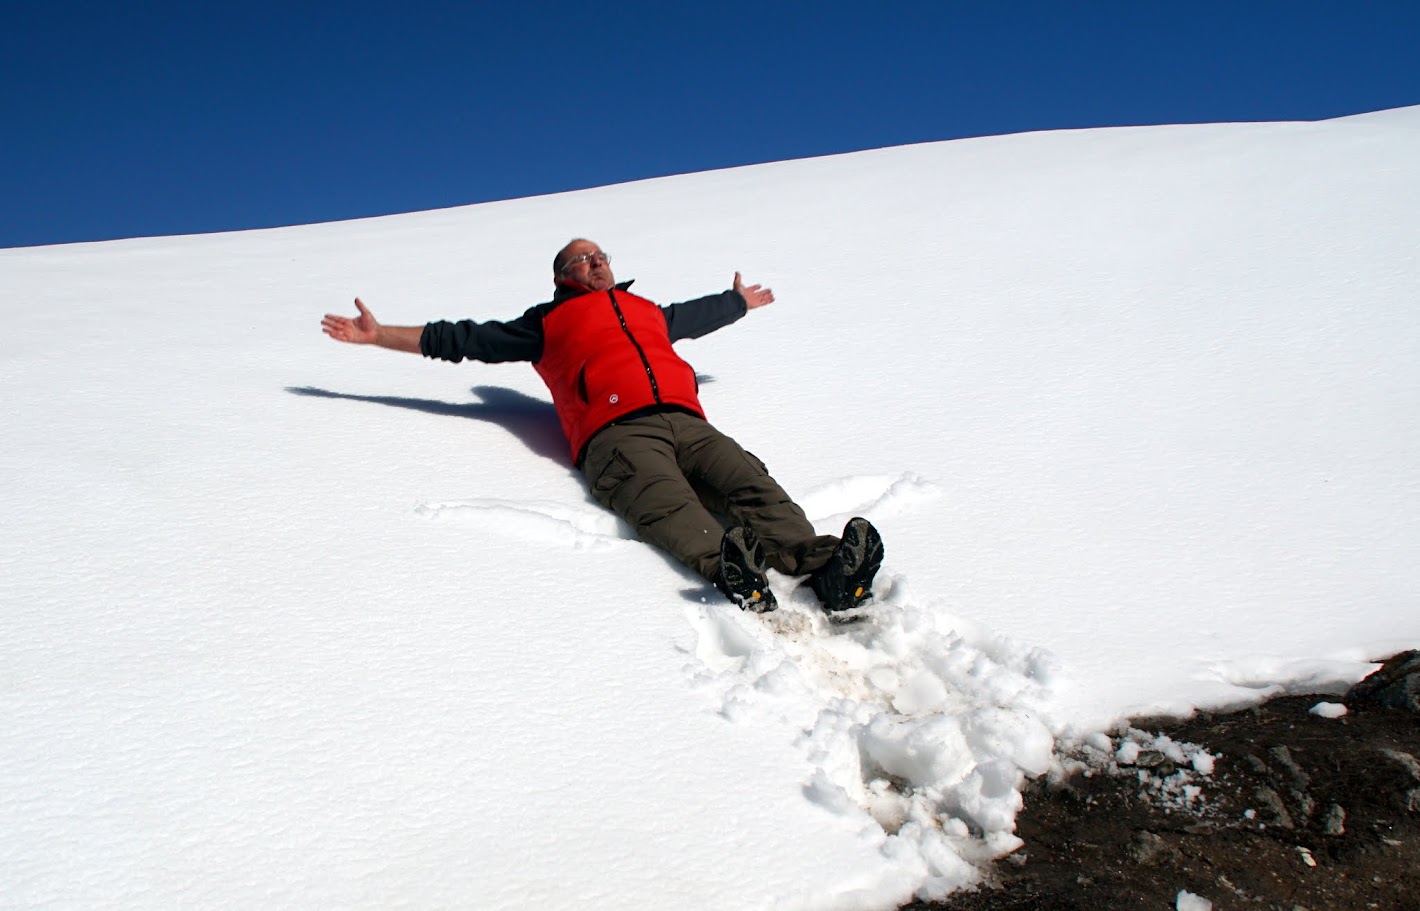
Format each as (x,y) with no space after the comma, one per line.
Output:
(754,295)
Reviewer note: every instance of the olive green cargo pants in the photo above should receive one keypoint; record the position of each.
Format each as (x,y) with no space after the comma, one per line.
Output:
(668,475)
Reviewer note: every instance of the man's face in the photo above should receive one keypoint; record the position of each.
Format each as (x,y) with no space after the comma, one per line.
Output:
(587,266)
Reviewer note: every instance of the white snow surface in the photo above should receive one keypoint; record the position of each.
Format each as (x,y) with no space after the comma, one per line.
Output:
(295,624)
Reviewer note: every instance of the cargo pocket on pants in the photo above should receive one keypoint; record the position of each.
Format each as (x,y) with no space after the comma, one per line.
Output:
(757,462)
(616,472)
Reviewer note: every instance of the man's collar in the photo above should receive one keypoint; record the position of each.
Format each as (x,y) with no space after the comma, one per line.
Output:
(569,290)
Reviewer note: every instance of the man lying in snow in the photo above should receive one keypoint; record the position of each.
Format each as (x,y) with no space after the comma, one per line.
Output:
(631,412)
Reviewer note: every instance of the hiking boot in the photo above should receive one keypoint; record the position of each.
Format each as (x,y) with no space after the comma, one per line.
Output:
(741,576)
(846,580)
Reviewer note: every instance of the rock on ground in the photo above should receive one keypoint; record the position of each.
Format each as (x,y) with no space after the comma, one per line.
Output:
(1295,811)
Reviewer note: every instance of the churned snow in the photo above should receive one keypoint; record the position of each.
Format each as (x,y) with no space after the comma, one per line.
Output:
(296,624)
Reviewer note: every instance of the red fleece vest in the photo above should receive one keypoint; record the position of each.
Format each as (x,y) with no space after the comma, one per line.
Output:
(607,354)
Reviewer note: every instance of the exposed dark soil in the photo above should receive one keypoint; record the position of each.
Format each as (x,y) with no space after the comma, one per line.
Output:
(1299,812)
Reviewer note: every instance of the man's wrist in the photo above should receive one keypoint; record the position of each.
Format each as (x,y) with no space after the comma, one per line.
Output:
(399,338)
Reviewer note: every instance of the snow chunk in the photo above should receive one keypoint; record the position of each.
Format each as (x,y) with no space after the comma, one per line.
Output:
(1187,901)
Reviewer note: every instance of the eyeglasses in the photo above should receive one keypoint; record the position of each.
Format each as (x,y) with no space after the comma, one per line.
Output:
(597,257)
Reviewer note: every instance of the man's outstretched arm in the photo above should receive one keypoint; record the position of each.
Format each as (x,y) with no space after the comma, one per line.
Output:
(704,315)
(366,330)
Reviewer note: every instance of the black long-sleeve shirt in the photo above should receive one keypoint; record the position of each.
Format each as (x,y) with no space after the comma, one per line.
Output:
(521,339)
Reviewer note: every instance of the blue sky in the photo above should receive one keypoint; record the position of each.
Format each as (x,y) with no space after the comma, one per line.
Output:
(136,119)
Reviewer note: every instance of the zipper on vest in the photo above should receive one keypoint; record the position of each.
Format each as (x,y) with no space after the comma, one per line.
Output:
(655,387)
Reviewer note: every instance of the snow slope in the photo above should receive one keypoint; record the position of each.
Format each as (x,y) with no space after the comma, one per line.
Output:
(294,624)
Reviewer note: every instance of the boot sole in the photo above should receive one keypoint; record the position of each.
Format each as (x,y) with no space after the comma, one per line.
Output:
(741,562)
(862,556)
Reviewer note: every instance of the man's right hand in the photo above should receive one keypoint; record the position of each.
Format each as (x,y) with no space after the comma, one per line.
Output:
(363,330)
(366,330)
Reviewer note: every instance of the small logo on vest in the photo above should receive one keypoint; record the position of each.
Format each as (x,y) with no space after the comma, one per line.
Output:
(614,398)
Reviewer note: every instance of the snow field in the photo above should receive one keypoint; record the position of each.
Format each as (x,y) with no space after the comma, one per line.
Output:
(295,624)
